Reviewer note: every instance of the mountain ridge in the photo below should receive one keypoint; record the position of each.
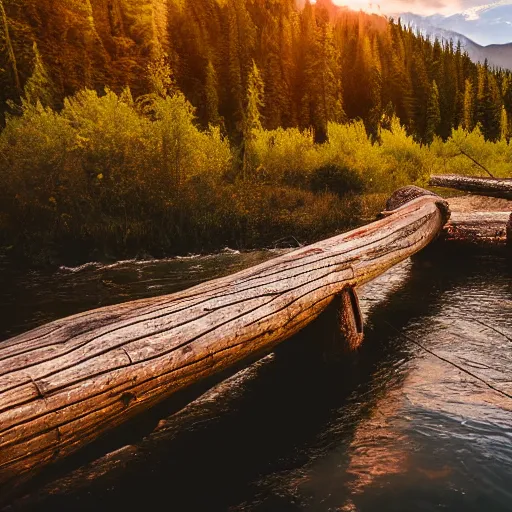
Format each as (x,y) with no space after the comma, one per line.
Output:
(497,55)
(485,25)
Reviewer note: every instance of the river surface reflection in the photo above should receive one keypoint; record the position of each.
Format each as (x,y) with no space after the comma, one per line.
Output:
(390,427)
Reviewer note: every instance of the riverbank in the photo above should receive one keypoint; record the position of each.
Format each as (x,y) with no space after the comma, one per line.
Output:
(262,218)
(108,178)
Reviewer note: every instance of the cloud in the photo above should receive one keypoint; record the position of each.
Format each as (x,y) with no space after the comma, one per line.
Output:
(397,6)
(424,7)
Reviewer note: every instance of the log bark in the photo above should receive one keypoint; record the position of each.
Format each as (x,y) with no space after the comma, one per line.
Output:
(479,227)
(493,187)
(64,384)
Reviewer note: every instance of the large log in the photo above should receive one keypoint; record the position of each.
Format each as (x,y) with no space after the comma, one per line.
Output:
(64,384)
(493,187)
(479,227)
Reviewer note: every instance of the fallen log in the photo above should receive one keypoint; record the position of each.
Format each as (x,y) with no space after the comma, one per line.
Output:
(479,227)
(64,384)
(493,187)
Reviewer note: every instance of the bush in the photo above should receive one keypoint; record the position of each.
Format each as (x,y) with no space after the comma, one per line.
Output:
(105,171)
(337,180)
(494,156)
(108,175)
(283,156)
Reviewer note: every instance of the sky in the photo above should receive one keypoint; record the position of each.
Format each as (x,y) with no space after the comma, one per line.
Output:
(424,7)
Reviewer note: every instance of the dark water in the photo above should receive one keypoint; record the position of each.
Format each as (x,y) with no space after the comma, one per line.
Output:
(391,427)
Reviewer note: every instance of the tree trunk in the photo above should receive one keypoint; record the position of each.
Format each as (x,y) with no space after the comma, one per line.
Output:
(478,227)
(65,383)
(493,187)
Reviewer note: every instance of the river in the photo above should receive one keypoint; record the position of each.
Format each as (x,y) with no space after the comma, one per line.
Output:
(417,419)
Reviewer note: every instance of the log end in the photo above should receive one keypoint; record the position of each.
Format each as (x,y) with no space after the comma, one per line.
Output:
(404,195)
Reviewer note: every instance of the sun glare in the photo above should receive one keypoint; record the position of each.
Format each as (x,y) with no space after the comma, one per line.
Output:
(398,6)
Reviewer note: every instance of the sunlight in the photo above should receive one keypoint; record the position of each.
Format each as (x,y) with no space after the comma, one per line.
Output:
(398,6)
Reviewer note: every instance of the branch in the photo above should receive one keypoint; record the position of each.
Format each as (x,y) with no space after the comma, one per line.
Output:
(476,162)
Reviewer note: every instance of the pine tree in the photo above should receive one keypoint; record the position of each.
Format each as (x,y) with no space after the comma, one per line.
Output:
(10,50)
(321,92)
(448,91)
(255,101)
(240,41)
(305,86)
(39,87)
(211,99)
(504,126)
(433,114)
(328,88)
(275,57)
(252,118)
(469,106)
(422,86)
(488,103)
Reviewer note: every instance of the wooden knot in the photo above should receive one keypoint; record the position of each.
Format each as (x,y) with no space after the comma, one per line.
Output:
(127,398)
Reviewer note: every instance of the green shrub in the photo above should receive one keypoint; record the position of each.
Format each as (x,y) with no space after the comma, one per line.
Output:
(108,175)
(449,156)
(336,179)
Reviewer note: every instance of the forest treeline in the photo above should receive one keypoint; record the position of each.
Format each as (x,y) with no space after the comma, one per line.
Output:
(108,176)
(320,63)
(165,127)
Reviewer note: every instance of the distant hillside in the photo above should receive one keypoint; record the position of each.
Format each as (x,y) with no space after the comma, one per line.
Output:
(484,24)
(498,55)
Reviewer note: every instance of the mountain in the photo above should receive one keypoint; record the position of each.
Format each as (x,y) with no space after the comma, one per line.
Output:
(486,25)
(458,27)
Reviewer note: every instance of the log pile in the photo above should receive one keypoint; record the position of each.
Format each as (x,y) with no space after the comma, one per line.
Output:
(66,383)
(478,219)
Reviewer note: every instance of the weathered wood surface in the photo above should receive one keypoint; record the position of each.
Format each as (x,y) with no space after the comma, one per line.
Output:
(64,384)
(478,220)
(493,187)
(478,227)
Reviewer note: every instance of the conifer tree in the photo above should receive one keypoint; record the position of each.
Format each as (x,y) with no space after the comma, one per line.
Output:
(328,80)
(252,118)
(305,86)
(468,115)
(39,87)
(488,103)
(321,88)
(11,56)
(504,126)
(433,114)
(255,101)
(211,99)
(422,86)
(240,41)
(375,113)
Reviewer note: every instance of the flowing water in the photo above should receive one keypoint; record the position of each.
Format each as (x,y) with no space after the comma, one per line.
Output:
(417,419)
